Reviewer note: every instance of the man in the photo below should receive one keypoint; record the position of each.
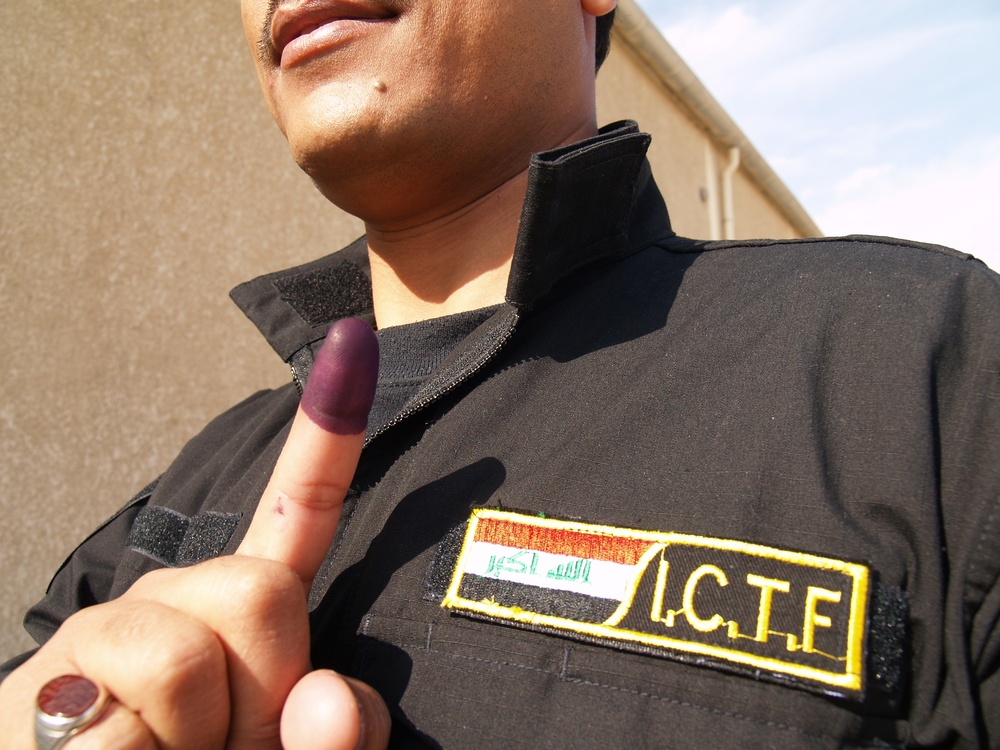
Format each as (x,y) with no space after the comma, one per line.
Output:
(617,489)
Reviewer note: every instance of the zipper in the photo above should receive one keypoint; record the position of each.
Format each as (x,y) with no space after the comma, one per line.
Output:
(503,331)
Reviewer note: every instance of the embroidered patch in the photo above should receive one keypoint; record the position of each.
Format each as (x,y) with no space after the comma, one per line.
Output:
(777,614)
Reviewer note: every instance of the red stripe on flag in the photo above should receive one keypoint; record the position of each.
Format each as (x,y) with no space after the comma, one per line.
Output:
(588,545)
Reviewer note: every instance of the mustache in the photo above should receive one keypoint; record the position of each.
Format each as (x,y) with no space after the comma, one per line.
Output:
(266,51)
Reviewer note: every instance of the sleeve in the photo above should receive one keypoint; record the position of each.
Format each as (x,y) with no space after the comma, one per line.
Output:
(968,375)
(989,679)
(85,578)
(989,692)
(230,461)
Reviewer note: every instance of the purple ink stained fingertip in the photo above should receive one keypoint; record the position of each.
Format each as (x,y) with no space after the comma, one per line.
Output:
(341,385)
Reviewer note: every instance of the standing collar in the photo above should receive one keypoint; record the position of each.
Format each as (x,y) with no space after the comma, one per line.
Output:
(590,202)
(578,209)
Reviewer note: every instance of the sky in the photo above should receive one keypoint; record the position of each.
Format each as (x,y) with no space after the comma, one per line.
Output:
(882,116)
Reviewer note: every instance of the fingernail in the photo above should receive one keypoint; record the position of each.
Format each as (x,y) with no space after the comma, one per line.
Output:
(376,725)
(341,385)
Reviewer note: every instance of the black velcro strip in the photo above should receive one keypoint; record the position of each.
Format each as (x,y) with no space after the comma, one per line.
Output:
(326,294)
(207,536)
(888,636)
(158,533)
(442,567)
(174,539)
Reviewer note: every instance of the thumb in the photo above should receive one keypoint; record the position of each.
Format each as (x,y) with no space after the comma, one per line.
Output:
(326,711)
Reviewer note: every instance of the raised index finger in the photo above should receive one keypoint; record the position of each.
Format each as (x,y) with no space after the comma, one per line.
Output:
(298,513)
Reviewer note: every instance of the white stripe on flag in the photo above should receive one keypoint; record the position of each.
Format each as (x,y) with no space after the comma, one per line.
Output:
(598,578)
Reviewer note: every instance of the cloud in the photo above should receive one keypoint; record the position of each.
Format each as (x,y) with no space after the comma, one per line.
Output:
(715,44)
(805,50)
(854,183)
(945,201)
(881,117)
(877,115)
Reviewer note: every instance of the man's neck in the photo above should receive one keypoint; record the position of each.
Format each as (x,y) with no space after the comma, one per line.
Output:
(447,265)
(452,263)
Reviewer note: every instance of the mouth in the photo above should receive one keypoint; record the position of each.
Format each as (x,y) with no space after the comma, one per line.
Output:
(295,31)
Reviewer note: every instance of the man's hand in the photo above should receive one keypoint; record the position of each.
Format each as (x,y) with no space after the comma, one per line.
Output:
(217,655)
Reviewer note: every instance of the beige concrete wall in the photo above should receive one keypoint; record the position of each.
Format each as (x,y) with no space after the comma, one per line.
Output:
(756,216)
(626,91)
(142,179)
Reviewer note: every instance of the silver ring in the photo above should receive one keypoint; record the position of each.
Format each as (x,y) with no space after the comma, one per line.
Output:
(65,707)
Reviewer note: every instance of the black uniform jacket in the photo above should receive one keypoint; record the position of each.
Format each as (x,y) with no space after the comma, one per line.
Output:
(671,494)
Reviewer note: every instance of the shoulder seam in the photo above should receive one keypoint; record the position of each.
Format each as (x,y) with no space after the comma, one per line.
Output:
(683,244)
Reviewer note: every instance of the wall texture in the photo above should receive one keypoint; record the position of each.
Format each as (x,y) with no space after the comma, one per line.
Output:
(142,179)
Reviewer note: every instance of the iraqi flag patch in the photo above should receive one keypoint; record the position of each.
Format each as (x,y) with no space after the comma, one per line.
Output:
(786,616)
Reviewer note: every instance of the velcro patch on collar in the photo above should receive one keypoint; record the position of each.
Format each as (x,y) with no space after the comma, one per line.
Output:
(776,614)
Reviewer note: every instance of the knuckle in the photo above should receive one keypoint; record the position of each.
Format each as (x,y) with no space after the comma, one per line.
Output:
(316,493)
(183,655)
(150,582)
(253,588)
(93,619)
(255,579)
(182,650)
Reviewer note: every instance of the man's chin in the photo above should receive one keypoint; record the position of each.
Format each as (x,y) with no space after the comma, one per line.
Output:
(331,116)
(348,178)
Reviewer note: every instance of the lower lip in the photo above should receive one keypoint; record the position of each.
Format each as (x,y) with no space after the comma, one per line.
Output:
(324,38)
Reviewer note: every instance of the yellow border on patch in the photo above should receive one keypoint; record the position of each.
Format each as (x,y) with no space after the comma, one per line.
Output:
(850,679)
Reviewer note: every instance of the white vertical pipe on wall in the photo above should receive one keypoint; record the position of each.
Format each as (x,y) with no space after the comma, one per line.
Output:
(712,193)
(729,212)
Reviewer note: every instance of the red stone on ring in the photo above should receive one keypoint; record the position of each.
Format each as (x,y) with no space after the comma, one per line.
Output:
(68,696)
